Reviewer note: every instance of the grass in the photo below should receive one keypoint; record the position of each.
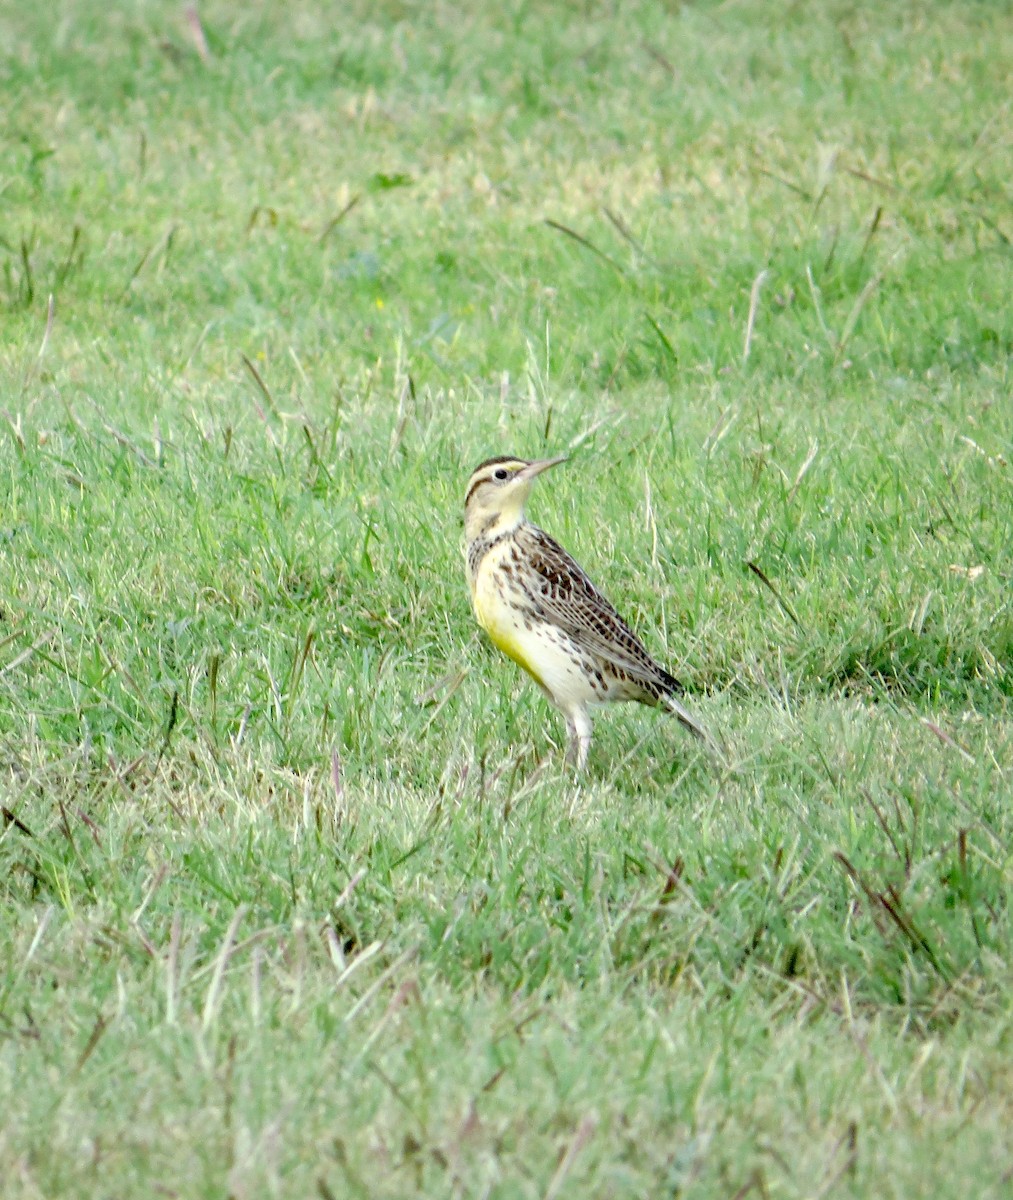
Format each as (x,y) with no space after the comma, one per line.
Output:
(297,893)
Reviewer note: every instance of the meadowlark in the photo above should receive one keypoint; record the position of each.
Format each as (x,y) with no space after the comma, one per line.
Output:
(540,608)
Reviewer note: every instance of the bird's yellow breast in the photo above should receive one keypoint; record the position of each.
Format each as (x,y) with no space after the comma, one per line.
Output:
(490,592)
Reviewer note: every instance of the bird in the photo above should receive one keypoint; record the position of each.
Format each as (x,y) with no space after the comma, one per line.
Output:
(539,607)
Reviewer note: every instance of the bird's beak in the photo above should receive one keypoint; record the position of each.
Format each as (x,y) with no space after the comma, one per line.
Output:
(536,468)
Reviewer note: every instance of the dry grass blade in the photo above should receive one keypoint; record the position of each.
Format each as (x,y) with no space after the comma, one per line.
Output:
(34,366)
(873,226)
(784,605)
(172,970)
(818,307)
(794,187)
(28,281)
(628,236)
(863,298)
(12,818)
(588,245)
(582,1135)
(388,973)
(98,1029)
(350,887)
(453,682)
(25,655)
(661,59)
(195,28)
(803,470)
(336,220)
(945,738)
(889,901)
(164,242)
(754,300)
(218,975)
(262,387)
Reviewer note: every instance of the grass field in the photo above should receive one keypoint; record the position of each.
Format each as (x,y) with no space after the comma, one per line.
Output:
(298,897)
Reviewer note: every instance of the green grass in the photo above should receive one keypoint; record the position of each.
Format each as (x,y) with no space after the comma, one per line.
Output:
(297,895)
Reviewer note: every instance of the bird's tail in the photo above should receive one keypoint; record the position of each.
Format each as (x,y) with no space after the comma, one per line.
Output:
(688,721)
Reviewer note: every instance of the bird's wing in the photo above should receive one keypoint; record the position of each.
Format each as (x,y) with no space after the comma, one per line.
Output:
(567,597)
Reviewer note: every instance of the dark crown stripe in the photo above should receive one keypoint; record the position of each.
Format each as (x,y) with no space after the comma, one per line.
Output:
(502,458)
(490,462)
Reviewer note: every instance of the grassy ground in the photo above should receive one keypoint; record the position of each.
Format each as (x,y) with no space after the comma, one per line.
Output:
(297,895)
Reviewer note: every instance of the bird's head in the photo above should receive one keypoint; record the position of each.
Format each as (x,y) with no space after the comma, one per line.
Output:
(497,492)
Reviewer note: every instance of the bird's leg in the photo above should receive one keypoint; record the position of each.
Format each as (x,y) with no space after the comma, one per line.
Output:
(578,725)
(570,756)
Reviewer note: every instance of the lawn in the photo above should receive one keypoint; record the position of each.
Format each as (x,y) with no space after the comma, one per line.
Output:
(297,895)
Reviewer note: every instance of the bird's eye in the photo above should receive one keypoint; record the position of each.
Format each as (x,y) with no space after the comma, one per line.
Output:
(502,473)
